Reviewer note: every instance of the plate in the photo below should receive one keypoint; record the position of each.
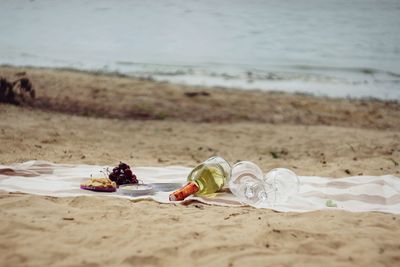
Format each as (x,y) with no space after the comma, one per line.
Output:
(166,187)
(98,188)
(135,189)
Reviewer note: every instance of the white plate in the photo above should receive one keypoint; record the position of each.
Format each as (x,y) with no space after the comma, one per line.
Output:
(135,189)
(166,187)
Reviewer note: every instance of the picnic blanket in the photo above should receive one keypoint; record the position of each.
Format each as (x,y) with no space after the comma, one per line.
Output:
(356,194)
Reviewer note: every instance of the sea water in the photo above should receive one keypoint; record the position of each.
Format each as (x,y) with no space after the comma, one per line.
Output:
(336,48)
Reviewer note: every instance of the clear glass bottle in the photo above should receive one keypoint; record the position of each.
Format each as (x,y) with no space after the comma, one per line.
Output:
(207,178)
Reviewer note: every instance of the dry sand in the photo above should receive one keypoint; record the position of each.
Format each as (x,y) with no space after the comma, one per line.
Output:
(102,119)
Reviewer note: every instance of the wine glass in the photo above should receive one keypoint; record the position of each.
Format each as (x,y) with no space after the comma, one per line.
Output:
(283,184)
(252,187)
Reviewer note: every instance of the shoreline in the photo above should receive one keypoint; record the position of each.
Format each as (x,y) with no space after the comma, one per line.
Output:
(123,97)
(151,77)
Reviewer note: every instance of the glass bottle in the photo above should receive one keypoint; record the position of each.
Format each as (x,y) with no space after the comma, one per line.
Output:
(207,178)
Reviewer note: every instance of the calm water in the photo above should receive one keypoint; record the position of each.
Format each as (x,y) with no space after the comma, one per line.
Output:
(326,47)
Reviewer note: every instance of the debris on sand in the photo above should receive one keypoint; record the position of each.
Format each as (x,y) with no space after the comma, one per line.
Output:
(193,94)
(16,92)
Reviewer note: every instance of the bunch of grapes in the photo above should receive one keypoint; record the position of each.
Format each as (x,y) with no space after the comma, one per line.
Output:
(122,174)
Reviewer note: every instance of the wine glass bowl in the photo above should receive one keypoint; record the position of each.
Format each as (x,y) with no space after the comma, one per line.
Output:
(283,184)
(252,187)
(247,182)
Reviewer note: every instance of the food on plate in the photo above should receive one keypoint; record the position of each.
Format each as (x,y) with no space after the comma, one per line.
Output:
(99,184)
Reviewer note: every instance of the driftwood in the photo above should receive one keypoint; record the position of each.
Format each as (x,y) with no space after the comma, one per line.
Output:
(17,92)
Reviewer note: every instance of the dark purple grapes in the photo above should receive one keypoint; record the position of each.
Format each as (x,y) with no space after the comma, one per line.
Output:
(128,172)
(123,166)
(122,174)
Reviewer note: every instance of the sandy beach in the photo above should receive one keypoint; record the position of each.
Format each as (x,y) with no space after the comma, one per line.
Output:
(97,118)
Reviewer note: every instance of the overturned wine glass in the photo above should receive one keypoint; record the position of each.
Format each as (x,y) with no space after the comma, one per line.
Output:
(252,187)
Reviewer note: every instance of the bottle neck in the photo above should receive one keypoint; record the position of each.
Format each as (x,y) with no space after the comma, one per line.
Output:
(182,193)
